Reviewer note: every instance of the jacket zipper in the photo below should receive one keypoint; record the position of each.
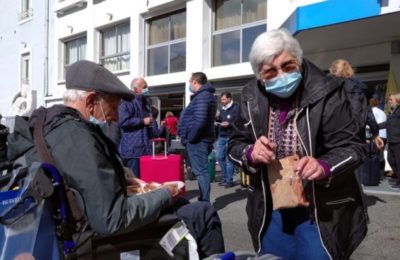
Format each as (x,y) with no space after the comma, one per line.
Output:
(312,182)
(263,185)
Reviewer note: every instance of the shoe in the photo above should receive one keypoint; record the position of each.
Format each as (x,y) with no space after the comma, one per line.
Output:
(396,187)
(221,183)
(390,174)
(228,185)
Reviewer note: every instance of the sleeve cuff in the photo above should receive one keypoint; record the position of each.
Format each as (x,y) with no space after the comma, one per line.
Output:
(325,166)
(248,156)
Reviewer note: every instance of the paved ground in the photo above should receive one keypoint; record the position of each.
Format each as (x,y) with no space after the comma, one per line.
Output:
(382,241)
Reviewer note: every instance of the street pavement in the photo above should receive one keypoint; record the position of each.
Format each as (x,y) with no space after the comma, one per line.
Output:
(382,241)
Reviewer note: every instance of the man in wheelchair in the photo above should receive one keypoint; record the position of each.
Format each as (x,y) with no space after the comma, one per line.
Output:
(90,165)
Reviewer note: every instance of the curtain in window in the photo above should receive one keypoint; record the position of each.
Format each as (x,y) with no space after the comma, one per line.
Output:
(24,5)
(74,50)
(123,42)
(159,31)
(228,14)
(178,26)
(109,49)
(116,47)
(254,10)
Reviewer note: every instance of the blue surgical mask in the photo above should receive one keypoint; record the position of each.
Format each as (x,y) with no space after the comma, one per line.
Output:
(145,92)
(101,124)
(191,89)
(285,85)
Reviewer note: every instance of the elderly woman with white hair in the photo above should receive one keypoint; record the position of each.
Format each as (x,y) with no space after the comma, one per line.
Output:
(296,139)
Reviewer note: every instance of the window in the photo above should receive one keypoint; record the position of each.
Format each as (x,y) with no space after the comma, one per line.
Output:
(237,24)
(115,47)
(25,69)
(166,44)
(75,50)
(26,10)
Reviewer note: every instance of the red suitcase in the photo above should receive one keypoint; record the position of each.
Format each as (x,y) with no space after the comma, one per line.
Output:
(161,167)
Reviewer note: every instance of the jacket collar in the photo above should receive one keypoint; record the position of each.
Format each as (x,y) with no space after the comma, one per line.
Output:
(206,87)
(316,84)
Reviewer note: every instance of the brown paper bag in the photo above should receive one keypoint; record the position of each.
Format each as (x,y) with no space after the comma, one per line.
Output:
(286,186)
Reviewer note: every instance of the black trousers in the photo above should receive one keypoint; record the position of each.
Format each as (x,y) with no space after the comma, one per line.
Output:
(394,158)
(204,225)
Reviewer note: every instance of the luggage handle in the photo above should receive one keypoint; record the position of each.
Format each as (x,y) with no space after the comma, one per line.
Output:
(158,140)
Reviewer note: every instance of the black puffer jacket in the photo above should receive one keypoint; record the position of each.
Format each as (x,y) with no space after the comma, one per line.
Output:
(328,132)
(393,126)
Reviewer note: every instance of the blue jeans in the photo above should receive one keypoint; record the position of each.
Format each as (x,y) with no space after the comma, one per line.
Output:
(223,160)
(198,156)
(303,244)
(134,165)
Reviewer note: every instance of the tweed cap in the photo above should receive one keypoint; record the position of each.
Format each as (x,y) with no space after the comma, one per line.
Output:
(89,76)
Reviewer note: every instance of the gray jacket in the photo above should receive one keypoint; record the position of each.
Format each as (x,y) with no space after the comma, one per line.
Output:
(90,164)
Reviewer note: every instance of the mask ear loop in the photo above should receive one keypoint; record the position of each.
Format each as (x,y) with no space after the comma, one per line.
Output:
(102,111)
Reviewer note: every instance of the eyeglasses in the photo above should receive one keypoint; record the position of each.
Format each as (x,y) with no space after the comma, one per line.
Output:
(287,67)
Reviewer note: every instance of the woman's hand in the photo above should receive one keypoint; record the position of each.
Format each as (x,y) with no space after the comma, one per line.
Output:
(263,151)
(309,168)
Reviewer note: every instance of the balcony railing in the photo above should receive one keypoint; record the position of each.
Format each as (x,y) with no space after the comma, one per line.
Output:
(63,6)
(25,14)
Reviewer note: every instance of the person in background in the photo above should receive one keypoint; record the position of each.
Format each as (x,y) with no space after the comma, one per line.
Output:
(380,118)
(292,109)
(393,138)
(357,94)
(156,130)
(196,129)
(4,131)
(135,121)
(90,164)
(224,120)
(170,123)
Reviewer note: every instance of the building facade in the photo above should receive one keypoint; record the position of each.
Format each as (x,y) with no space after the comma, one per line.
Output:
(166,40)
(25,52)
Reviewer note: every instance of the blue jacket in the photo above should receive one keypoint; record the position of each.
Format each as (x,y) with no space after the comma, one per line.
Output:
(196,123)
(135,136)
(228,115)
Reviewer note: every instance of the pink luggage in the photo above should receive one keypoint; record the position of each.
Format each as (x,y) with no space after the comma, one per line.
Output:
(161,167)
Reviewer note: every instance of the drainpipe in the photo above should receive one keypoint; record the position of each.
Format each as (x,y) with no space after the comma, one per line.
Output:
(46,51)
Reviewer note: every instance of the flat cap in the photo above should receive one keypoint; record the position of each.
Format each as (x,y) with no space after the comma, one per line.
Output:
(89,76)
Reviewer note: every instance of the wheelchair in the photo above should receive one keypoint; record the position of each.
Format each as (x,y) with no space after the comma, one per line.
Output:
(36,219)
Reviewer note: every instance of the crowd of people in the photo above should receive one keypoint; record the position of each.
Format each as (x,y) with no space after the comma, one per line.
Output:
(298,132)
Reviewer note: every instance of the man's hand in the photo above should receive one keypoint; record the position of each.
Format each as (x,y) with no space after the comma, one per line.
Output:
(309,168)
(263,151)
(173,190)
(380,144)
(147,120)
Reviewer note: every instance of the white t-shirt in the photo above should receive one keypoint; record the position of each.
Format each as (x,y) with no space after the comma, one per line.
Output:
(380,117)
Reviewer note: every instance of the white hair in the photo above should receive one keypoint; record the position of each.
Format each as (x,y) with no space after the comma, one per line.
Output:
(72,95)
(133,83)
(270,44)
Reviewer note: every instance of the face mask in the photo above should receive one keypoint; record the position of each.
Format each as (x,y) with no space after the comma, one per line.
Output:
(95,121)
(191,89)
(284,85)
(145,92)
(101,124)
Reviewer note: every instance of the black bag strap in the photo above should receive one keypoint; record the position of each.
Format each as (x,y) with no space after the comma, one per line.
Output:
(45,156)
